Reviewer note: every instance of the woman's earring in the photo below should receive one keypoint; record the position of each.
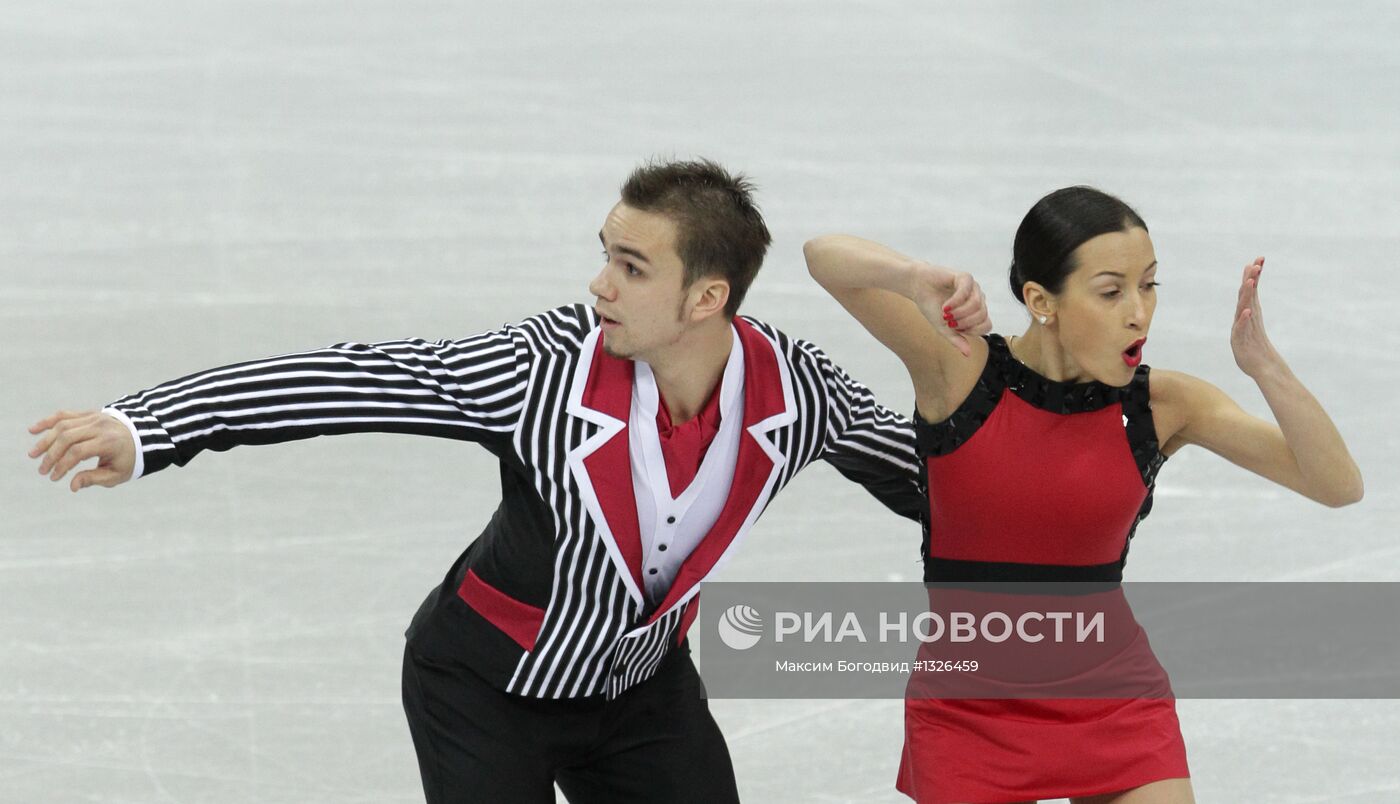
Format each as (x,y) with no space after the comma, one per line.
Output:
(1043,319)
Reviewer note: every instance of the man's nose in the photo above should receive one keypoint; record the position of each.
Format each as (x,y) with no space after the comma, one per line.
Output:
(601,287)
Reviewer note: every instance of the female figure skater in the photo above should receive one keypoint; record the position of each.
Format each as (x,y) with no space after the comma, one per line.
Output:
(1041,454)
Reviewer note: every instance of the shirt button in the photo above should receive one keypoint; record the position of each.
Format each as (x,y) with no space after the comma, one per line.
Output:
(661,547)
(670,520)
(651,571)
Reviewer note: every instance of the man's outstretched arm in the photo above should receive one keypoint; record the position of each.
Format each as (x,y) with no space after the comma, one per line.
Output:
(471,389)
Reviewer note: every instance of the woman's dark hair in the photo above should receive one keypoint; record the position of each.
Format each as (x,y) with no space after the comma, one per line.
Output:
(1058,224)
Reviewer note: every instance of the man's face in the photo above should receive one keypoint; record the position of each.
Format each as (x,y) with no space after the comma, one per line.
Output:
(640,297)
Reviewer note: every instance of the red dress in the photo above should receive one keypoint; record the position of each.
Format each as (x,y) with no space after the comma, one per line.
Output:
(1039,481)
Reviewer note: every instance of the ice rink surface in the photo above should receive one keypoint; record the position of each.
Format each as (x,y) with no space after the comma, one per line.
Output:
(187,185)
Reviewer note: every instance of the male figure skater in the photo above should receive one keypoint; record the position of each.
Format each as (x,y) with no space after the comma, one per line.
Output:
(639,440)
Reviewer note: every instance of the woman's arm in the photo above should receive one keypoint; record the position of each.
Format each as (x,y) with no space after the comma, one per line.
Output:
(1303,451)
(921,312)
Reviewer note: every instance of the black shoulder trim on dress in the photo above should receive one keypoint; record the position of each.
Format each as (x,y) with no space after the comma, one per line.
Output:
(925,513)
(940,438)
(1045,393)
(1142,439)
(1142,431)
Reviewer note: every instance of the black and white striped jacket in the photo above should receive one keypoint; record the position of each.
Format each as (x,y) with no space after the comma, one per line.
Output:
(548,601)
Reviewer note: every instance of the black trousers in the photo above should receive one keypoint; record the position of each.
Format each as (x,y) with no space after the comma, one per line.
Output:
(657,742)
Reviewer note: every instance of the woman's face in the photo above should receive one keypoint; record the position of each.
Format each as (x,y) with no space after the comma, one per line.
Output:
(1105,308)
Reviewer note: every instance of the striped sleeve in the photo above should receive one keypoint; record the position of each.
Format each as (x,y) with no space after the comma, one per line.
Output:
(471,390)
(867,442)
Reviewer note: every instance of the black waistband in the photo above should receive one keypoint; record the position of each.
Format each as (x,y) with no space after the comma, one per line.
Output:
(942,570)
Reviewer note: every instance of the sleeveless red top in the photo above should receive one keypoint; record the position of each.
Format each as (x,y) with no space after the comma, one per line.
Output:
(1031,479)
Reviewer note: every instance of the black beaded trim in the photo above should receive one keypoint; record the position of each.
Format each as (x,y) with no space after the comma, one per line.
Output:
(1045,393)
(941,570)
(1142,431)
(1141,515)
(1142,439)
(941,438)
(925,515)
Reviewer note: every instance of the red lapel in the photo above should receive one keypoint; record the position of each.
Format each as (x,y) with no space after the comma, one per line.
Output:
(763,398)
(609,391)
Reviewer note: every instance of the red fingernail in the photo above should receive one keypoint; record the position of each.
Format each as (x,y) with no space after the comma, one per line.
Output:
(953,322)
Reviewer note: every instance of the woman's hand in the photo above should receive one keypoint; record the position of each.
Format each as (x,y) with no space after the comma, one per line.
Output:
(1253,352)
(953,302)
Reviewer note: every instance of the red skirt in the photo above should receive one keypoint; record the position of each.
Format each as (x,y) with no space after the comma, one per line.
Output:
(1042,721)
(976,751)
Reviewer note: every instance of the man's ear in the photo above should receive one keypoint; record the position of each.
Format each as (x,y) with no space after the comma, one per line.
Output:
(710,296)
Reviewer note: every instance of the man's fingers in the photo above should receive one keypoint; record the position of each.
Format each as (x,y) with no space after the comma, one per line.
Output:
(61,464)
(46,443)
(45,423)
(54,418)
(42,445)
(101,476)
(75,455)
(64,439)
(52,451)
(59,423)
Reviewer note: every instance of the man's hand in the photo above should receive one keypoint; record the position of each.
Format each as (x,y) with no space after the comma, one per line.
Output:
(71,438)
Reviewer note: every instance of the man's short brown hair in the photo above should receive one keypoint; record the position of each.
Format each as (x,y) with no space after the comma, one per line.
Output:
(720,231)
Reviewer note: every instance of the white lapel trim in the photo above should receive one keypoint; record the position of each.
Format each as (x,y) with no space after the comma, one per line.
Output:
(608,427)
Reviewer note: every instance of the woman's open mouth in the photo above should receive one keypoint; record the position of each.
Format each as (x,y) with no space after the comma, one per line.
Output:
(1133,354)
